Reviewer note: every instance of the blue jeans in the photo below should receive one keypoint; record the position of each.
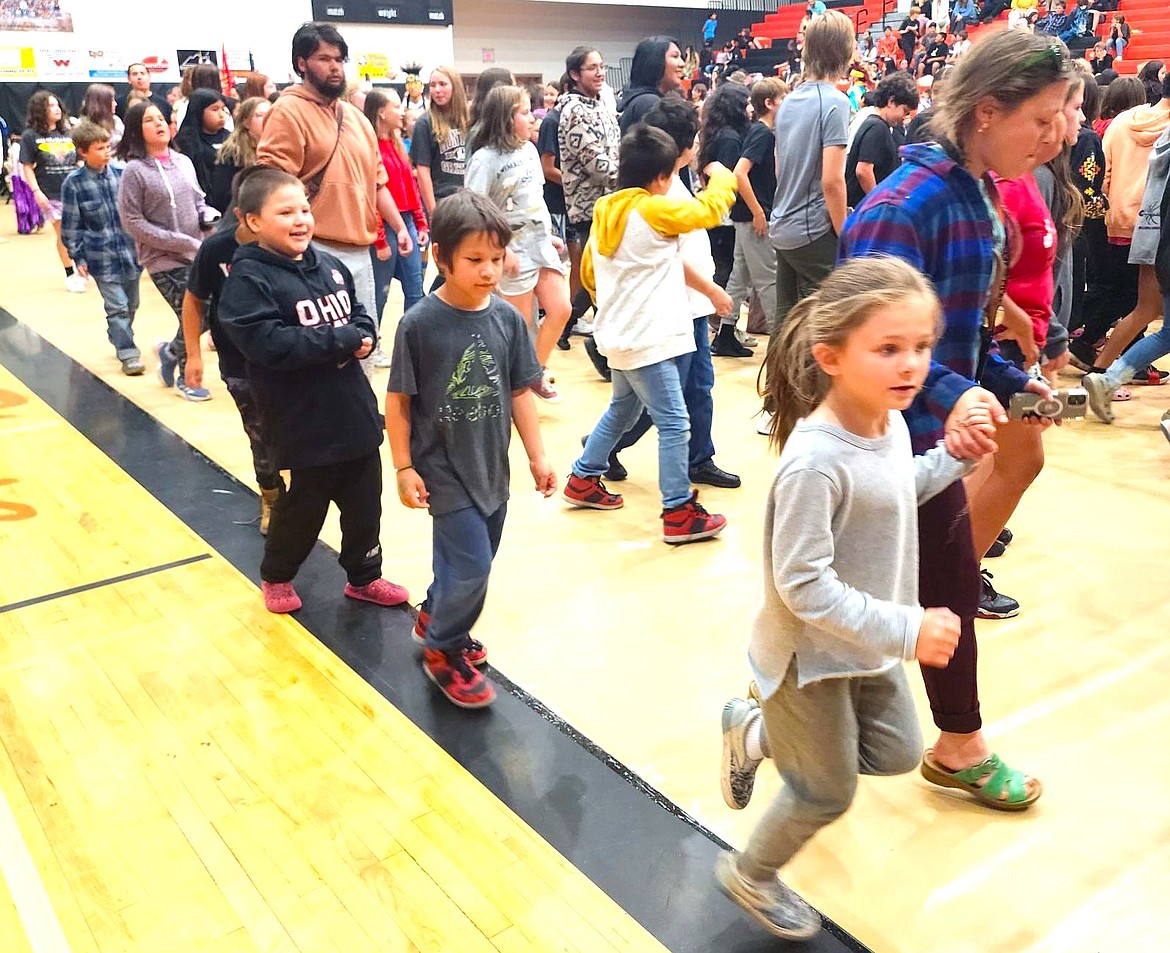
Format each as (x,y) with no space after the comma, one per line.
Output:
(121,302)
(464,545)
(698,378)
(658,389)
(1144,353)
(406,268)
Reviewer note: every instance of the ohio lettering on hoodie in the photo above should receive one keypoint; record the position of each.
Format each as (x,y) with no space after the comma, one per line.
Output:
(298,323)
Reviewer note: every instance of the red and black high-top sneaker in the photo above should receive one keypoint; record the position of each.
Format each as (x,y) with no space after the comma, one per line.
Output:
(463,684)
(689,522)
(590,493)
(473,651)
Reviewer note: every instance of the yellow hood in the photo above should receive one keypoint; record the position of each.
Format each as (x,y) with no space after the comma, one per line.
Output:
(610,215)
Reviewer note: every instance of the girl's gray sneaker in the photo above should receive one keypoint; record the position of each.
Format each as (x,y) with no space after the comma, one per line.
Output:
(775,906)
(737,777)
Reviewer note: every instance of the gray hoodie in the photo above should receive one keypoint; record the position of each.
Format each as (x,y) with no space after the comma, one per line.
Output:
(1148,229)
(161,206)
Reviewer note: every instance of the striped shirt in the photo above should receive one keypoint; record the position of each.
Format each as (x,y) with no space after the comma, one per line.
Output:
(91,228)
(932,213)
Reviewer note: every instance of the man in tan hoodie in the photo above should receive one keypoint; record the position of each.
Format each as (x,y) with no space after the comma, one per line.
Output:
(1128,143)
(313,133)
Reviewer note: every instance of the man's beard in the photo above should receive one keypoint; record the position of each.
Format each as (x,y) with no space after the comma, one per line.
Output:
(325,88)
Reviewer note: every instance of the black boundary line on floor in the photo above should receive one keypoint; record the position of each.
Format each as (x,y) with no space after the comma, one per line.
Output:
(102,583)
(637,845)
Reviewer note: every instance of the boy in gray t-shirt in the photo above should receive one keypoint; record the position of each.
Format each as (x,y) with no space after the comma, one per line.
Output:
(460,375)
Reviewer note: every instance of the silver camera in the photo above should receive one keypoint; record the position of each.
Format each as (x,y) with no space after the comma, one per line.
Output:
(1068,404)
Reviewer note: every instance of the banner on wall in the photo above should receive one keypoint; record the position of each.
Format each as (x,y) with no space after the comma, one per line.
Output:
(40,15)
(108,64)
(62,65)
(373,65)
(163,67)
(195,57)
(17,62)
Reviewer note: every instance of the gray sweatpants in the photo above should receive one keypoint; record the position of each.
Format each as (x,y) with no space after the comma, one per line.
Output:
(821,737)
(357,259)
(753,269)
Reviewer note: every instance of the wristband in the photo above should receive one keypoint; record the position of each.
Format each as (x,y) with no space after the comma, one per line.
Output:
(409,466)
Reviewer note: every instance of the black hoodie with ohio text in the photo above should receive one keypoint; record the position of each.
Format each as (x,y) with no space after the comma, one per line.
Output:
(298,324)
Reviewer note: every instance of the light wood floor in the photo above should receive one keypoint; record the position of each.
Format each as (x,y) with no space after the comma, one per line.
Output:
(638,645)
(180,769)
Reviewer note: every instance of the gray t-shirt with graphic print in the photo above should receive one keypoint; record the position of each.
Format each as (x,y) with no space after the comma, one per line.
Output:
(460,368)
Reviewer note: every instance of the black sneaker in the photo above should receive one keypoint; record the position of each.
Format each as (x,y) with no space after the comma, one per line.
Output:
(995,605)
(726,344)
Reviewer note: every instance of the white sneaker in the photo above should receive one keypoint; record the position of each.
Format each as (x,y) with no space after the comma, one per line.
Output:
(1166,425)
(774,905)
(75,283)
(764,427)
(583,327)
(1100,396)
(380,360)
(746,339)
(737,777)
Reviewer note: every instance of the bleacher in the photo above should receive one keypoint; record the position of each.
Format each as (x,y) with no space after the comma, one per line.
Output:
(1149,20)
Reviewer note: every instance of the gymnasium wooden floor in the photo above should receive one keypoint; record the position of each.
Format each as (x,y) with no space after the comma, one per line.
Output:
(223,779)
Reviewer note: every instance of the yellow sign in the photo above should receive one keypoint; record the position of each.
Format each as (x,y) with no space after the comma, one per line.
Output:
(373,66)
(17,62)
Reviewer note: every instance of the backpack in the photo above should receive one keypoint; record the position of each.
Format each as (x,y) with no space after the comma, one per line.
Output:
(29,217)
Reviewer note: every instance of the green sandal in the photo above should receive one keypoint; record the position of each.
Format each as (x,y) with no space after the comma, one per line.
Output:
(999,777)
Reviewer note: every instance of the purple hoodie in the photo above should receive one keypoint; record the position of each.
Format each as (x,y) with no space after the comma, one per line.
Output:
(161,206)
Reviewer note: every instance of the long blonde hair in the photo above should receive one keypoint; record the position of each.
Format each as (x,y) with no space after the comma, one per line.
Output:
(846,299)
(454,115)
(238,149)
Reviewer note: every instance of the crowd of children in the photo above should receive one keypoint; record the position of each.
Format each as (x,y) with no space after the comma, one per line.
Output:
(908,296)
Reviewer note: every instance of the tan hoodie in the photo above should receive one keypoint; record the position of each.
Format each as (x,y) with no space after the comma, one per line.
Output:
(299,136)
(1128,142)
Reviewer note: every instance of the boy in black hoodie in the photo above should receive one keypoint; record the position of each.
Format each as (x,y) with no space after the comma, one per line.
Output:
(293,313)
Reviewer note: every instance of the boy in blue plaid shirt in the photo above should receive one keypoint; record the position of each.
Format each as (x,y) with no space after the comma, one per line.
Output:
(91,230)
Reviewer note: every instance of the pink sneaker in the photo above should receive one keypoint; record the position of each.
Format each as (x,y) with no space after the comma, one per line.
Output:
(545,390)
(381,592)
(280,597)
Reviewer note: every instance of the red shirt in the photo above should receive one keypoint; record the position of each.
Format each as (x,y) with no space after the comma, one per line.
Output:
(402,185)
(1030,282)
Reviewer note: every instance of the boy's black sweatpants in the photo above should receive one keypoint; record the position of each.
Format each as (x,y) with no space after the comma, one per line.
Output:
(356,487)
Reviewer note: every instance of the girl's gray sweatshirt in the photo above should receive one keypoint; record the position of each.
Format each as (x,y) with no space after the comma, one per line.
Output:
(162,206)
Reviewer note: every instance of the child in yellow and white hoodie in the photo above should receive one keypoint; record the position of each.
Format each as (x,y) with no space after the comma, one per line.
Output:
(633,268)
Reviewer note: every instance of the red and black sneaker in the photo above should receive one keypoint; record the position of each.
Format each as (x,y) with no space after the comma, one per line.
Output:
(473,651)
(462,683)
(590,493)
(689,522)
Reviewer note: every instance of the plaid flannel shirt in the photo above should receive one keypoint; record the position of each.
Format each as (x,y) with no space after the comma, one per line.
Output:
(931,213)
(91,228)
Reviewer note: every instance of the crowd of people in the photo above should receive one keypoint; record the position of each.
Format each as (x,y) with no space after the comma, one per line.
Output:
(920,256)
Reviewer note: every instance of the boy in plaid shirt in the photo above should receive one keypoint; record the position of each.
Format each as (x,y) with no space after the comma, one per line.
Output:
(91,230)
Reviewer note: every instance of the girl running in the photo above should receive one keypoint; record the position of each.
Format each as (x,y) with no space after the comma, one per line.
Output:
(841,611)
(506,168)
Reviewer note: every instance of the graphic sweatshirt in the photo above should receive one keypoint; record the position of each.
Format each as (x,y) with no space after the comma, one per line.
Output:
(298,324)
